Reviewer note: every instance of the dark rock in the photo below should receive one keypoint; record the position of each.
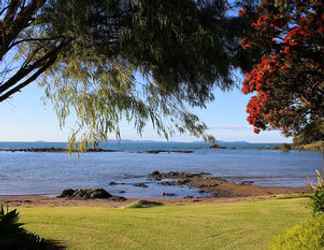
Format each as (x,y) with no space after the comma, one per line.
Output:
(168,183)
(55,150)
(168,194)
(141,184)
(86,194)
(168,151)
(67,193)
(112,183)
(183,151)
(183,181)
(153,151)
(156,175)
(91,194)
(246,182)
(183,175)
(122,191)
(175,175)
(214,146)
(99,194)
(188,197)
(172,174)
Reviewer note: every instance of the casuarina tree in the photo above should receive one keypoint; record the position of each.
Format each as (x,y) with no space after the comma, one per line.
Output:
(108,60)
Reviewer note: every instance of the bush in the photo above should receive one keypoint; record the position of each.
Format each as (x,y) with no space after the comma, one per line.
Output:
(310,235)
(317,197)
(307,236)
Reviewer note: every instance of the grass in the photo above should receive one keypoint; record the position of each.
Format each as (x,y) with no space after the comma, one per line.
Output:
(245,225)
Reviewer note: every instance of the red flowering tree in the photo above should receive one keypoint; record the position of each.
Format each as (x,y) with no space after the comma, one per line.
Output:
(286,78)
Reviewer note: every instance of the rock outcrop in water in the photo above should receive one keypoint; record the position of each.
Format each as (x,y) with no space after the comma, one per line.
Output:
(216,186)
(157,175)
(87,194)
(141,185)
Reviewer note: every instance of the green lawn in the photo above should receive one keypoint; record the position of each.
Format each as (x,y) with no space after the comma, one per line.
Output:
(239,225)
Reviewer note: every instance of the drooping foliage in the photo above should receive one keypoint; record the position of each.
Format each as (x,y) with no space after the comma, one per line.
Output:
(175,48)
(286,72)
(109,60)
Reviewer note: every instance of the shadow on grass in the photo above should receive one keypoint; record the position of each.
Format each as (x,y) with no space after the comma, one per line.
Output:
(14,237)
(29,241)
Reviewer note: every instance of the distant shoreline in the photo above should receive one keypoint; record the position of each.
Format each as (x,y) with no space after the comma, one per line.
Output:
(129,145)
(90,150)
(149,151)
(54,150)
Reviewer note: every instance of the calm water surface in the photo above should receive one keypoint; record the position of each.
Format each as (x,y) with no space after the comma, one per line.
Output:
(50,173)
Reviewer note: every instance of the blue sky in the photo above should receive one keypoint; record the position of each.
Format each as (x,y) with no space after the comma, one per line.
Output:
(25,117)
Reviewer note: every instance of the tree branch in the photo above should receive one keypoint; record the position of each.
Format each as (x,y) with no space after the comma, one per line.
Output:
(24,71)
(28,81)
(33,40)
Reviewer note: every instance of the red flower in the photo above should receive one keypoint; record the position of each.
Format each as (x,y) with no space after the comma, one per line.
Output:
(245,43)
(258,24)
(286,50)
(302,21)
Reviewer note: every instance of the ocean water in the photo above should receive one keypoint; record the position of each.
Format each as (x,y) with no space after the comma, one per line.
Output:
(50,173)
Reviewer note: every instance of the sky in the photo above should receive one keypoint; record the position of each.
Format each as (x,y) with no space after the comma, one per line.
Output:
(25,117)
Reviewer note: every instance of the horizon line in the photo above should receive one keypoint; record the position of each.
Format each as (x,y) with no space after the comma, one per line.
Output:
(145,140)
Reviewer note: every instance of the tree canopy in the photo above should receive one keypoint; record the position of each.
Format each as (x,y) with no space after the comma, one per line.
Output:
(151,61)
(87,55)
(286,71)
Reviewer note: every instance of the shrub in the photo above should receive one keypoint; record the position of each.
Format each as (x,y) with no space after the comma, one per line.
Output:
(317,197)
(306,236)
(310,235)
